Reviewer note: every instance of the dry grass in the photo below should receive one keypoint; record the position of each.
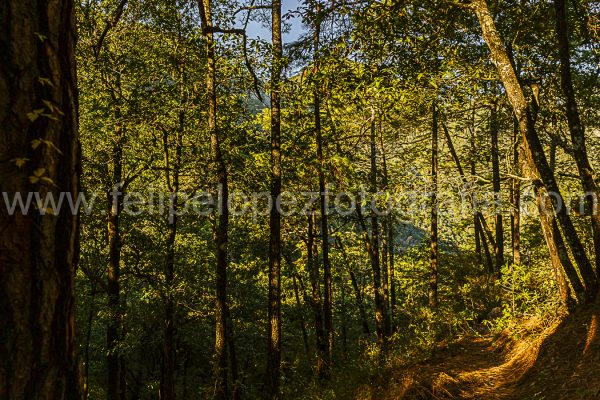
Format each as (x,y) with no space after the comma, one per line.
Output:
(532,361)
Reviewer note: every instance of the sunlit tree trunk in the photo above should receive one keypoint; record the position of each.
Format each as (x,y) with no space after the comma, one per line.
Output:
(534,152)
(576,128)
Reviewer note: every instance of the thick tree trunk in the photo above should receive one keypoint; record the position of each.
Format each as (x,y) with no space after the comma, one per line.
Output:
(274,296)
(38,251)
(328,291)
(499,248)
(433,271)
(221,232)
(534,151)
(576,128)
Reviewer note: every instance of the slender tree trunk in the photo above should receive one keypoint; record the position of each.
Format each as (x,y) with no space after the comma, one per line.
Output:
(173,166)
(515,215)
(380,312)
(274,300)
(115,203)
(301,318)
(328,291)
(433,274)
(38,251)
(316,305)
(533,148)
(236,391)
(221,234)
(385,242)
(576,128)
(476,224)
(357,293)
(88,338)
(499,248)
(390,233)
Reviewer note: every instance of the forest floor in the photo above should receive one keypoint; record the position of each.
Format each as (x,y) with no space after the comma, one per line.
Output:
(534,360)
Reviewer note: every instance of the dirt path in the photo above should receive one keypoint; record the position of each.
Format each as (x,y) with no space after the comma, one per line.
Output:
(561,361)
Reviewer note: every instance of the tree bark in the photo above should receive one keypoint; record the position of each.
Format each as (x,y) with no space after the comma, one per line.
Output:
(534,151)
(38,251)
(576,128)
(274,296)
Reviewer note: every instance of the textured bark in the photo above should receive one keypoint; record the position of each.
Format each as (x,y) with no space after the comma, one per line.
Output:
(433,257)
(534,152)
(499,248)
(38,253)
(559,256)
(576,128)
(274,297)
(328,291)
(222,228)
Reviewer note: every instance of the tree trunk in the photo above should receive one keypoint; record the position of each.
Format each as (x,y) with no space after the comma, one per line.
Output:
(115,203)
(499,248)
(390,234)
(433,273)
(576,128)
(221,233)
(357,293)
(327,292)
(515,215)
(38,251)
(301,318)
(385,243)
(374,251)
(533,148)
(274,297)
(313,268)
